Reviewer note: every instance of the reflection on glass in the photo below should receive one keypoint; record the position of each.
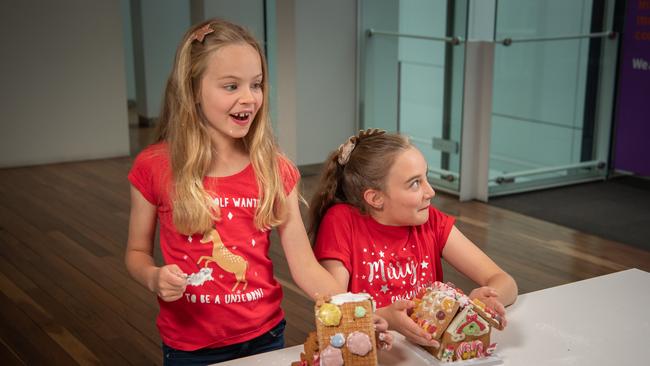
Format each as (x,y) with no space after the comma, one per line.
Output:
(414,86)
(542,109)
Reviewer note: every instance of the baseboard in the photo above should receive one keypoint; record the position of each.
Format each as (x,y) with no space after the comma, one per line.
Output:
(310,169)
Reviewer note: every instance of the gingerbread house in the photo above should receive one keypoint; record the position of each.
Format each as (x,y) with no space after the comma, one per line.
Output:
(462,326)
(344,334)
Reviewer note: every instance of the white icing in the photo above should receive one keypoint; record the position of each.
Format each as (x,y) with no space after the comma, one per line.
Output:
(341,299)
(198,278)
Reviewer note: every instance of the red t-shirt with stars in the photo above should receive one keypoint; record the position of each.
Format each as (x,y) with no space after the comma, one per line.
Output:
(388,262)
(216,309)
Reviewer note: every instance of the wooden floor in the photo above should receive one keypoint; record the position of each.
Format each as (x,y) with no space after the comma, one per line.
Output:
(67,298)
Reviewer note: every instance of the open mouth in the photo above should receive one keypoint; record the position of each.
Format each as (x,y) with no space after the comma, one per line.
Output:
(241,117)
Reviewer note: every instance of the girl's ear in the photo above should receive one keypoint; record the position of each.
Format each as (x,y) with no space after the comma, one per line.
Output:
(374,198)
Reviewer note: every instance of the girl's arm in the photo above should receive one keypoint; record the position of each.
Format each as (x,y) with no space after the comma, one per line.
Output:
(168,282)
(309,275)
(497,287)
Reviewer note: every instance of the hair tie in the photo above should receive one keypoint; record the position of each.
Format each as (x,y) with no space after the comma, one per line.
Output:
(200,33)
(346,148)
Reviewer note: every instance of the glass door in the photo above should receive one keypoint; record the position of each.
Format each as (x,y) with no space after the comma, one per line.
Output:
(554,65)
(411,70)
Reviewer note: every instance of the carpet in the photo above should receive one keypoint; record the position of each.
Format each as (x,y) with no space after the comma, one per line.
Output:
(616,209)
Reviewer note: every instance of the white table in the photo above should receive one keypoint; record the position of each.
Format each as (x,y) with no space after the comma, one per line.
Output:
(599,321)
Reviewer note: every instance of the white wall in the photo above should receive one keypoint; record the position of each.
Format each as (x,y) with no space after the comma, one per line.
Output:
(63,92)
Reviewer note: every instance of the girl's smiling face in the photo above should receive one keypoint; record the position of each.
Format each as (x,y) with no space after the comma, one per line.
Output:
(231,91)
(406,198)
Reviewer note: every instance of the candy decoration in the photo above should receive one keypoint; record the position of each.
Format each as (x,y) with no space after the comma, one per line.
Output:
(440,315)
(448,304)
(331,356)
(337,340)
(477,346)
(463,351)
(359,312)
(329,314)
(490,350)
(358,343)
(479,304)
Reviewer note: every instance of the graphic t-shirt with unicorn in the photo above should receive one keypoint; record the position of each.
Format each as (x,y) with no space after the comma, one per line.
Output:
(231,296)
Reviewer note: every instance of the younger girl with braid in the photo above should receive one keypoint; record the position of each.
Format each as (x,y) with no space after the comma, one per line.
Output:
(376,231)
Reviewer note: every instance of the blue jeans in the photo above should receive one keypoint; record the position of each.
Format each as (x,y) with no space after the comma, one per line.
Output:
(269,341)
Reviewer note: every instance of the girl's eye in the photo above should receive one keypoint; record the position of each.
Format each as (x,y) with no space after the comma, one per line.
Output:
(230,87)
(416,183)
(257,85)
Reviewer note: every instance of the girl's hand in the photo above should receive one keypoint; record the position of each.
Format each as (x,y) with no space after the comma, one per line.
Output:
(169,282)
(490,297)
(384,339)
(397,318)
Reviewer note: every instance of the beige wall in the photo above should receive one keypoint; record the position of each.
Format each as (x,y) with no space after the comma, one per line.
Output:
(63,92)
(316,56)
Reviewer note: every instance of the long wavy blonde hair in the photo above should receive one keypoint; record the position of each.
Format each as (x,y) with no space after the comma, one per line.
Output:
(184,129)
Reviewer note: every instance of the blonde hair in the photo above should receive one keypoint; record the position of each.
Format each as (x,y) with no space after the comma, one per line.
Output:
(366,168)
(184,129)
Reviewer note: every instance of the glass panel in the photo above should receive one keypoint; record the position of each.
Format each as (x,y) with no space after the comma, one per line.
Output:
(543,110)
(414,85)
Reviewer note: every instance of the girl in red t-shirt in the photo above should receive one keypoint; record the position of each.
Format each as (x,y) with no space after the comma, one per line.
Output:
(376,231)
(215,184)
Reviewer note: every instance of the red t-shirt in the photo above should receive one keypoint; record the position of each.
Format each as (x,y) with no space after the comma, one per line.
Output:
(388,262)
(219,311)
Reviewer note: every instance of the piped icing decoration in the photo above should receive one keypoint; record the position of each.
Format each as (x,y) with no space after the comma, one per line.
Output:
(337,340)
(341,299)
(467,323)
(358,343)
(490,349)
(359,311)
(331,357)
(447,354)
(329,314)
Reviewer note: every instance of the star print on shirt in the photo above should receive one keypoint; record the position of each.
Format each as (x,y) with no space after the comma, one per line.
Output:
(189,238)
(253,242)
(384,289)
(425,264)
(381,254)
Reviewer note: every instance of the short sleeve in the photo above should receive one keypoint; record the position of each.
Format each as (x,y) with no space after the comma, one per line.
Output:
(334,239)
(441,225)
(143,173)
(289,173)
